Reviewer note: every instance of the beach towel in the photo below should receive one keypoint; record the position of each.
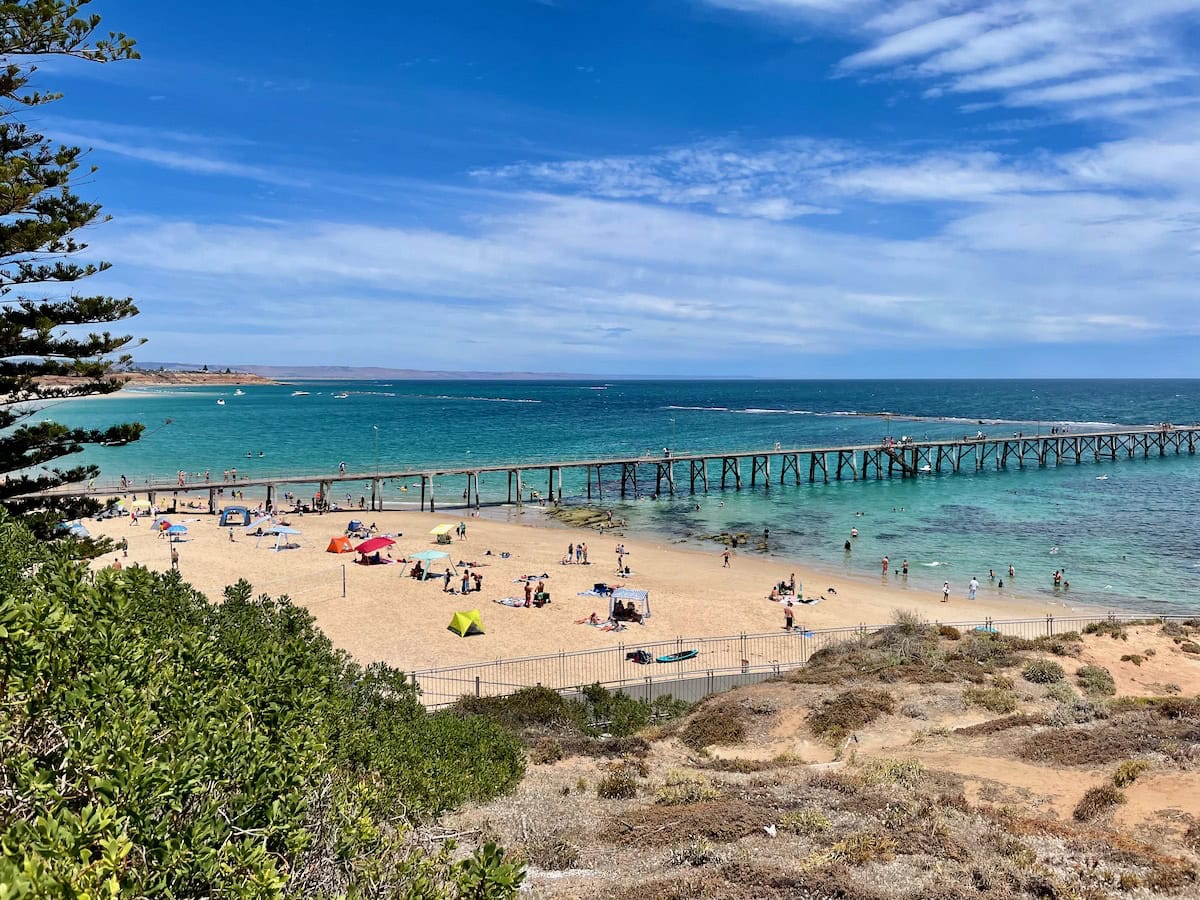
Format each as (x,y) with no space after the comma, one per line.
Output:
(811,601)
(510,601)
(592,593)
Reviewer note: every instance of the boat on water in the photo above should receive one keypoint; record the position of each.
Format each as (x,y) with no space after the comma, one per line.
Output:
(239,393)
(341,396)
(220,403)
(299,393)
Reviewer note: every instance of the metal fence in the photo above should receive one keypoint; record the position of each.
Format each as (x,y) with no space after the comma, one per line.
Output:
(720,663)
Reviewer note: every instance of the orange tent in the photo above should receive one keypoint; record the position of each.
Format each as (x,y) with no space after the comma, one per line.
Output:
(340,545)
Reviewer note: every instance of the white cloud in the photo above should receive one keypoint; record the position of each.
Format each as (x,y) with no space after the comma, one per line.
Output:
(1032,52)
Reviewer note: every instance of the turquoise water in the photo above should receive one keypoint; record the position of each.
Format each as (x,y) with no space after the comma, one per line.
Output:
(1130,540)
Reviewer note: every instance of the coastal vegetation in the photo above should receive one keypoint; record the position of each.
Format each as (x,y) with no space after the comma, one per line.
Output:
(43,219)
(153,743)
(865,776)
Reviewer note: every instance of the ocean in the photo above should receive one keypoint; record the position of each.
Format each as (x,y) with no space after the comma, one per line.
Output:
(1126,531)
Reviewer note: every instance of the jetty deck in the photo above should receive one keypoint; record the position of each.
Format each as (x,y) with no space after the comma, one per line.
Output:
(633,475)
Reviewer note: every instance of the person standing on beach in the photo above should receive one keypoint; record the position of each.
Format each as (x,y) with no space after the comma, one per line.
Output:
(725,556)
(1012,573)
(446,582)
(904,568)
(789,617)
(462,531)
(571,553)
(528,593)
(972,587)
(884,563)
(466,581)
(174,559)
(945,591)
(583,550)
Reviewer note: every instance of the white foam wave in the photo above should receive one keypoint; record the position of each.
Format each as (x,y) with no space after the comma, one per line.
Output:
(708,408)
(483,399)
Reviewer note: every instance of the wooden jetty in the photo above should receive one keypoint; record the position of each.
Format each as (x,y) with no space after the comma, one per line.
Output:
(736,470)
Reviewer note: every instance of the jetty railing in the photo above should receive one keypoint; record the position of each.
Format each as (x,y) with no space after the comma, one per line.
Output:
(720,663)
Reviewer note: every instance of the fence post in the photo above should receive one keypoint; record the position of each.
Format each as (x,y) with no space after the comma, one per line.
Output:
(1049,624)
(710,682)
(343,581)
(478,692)
(745,659)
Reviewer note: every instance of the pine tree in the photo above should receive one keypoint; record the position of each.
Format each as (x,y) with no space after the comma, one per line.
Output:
(44,332)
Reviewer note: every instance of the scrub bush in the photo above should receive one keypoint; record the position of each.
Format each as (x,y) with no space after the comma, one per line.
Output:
(154,744)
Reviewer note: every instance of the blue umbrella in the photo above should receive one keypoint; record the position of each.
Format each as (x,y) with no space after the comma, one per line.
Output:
(177,529)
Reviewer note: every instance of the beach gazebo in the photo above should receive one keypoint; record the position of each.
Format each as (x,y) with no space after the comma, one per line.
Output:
(429,556)
(640,600)
(442,533)
(283,536)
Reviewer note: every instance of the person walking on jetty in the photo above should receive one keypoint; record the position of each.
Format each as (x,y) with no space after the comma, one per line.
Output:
(972,587)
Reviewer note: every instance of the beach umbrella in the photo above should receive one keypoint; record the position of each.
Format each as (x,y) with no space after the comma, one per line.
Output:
(259,522)
(373,544)
(441,529)
(140,504)
(176,531)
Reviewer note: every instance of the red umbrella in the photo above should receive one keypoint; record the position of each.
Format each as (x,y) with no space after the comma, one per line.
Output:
(373,544)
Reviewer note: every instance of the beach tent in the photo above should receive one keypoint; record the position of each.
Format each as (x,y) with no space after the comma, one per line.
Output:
(162,523)
(465,624)
(340,545)
(140,504)
(640,599)
(235,515)
(442,533)
(355,525)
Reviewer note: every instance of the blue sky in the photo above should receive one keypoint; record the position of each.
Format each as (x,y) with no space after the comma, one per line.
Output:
(668,187)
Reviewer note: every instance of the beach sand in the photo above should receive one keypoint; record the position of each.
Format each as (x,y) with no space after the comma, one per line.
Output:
(386,616)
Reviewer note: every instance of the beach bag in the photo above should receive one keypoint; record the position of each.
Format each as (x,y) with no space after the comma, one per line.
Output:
(641,657)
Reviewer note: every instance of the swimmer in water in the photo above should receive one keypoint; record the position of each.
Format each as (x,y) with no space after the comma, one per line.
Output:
(853,532)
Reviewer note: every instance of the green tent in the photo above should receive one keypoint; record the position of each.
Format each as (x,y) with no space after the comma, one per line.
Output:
(465,624)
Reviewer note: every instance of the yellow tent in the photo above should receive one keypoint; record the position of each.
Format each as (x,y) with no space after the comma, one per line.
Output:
(465,624)
(442,529)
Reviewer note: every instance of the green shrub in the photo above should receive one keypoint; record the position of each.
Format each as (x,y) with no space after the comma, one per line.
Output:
(152,743)
(886,770)
(1190,647)
(949,632)
(1097,801)
(1061,692)
(805,821)
(993,699)
(545,751)
(1042,671)
(848,712)
(685,787)
(1096,680)
(1076,712)
(620,781)
(1112,629)
(1136,658)
(1127,772)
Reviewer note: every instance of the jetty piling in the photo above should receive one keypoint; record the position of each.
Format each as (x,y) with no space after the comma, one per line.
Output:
(907,459)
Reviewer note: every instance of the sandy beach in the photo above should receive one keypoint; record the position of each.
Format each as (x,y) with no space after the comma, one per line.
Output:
(390,617)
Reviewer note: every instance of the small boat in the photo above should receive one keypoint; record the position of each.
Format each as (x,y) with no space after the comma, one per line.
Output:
(926,469)
(677,657)
(341,396)
(220,403)
(299,393)
(239,393)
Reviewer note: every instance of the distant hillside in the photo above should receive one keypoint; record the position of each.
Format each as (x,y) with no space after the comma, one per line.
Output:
(362,373)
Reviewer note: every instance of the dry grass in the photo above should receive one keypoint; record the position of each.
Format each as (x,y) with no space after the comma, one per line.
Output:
(1129,735)
(994,726)
(685,787)
(750,766)
(721,821)
(1096,802)
(990,698)
(715,722)
(847,712)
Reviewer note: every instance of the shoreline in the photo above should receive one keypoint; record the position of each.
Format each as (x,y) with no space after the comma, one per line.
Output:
(403,622)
